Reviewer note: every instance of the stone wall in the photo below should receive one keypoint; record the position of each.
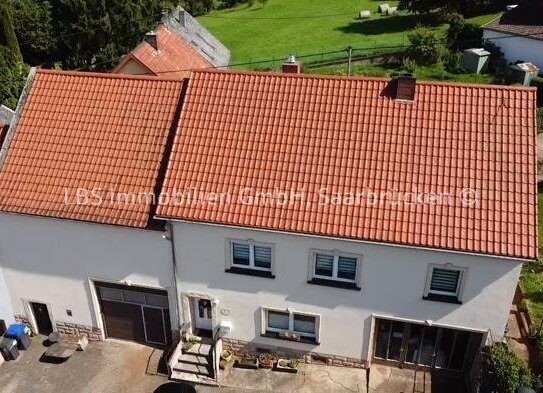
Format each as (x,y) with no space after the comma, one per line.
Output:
(93,333)
(244,348)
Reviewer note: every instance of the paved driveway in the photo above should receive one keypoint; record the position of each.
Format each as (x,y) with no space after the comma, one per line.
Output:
(104,367)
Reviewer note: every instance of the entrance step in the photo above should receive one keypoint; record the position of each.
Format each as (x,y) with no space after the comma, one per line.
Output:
(193,369)
(194,359)
(199,349)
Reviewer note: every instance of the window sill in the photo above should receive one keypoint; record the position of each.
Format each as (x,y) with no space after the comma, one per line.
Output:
(303,340)
(334,284)
(250,272)
(442,298)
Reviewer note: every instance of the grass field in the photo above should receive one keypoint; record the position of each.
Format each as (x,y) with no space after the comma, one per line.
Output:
(531,279)
(423,73)
(283,27)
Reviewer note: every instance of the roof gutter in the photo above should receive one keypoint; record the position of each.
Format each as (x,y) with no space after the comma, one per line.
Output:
(18,111)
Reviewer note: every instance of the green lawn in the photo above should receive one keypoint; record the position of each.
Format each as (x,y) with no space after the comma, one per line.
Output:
(282,27)
(386,70)
(301,27)
(531,279)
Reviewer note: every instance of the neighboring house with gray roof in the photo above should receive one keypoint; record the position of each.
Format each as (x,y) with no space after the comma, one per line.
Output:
(519,33)
(198,36)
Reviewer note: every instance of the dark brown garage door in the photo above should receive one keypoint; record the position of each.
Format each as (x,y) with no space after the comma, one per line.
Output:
(135,313)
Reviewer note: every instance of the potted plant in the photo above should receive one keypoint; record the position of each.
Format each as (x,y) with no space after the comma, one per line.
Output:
(288,366)
(266,360)
(226,355)
(246,362)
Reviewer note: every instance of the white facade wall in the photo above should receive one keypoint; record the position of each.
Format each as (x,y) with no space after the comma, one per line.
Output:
(517,48)
(52,261)
(393,282)
(6,312)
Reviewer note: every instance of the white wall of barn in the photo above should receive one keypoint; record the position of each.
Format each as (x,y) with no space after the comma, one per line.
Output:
(6,312)
(393,282)
(53,261)
(517,48)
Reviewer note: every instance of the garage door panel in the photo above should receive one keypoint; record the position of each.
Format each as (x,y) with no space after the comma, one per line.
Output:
(123,321)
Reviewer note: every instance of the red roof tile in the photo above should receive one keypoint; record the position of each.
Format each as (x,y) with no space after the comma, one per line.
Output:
(281,132)
(173,59)
(91,131)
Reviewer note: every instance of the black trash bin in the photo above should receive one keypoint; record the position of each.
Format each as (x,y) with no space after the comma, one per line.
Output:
(8,347)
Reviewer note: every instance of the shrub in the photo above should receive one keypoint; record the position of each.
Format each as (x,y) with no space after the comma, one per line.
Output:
(425,47)
(496,62)
(453,61)
(503,371)
(462,35)
(540,123)
(409,65)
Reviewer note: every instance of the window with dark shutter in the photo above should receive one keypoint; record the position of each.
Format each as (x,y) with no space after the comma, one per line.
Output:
(346,268)
(262,257)
(241,254)
(324,265)
(445,281)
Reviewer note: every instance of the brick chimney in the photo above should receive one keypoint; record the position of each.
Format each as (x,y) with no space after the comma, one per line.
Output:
(291,66)
(405,88)
(151,39)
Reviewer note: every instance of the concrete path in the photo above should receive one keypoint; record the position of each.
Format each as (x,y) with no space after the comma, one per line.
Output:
(104,367)
(309,379)
(386,379)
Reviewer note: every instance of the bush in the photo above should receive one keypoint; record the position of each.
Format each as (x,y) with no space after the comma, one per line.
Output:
(425,47)
(462,35)
(540,121)
(538,82)
(453,62)
(503,371)
(496,61)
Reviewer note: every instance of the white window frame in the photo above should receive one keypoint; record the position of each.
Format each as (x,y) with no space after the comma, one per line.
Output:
(447,266)
(292,313)
(251,243)
(336,254)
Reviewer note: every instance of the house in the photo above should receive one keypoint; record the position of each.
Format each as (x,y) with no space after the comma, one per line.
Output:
(178,45)
(337,220)
(77,254)
(519,33)
(352,220)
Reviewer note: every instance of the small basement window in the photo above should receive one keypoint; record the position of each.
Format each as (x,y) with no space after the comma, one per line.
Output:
(290,325)
(248,257)
(334,269)
(444,283)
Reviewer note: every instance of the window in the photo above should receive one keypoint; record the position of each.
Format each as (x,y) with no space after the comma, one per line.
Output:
(444,283)
(335,269)
(290,325)
(249,257)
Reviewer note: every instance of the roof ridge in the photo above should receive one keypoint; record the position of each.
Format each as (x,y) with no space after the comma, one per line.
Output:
(107,75)
(365,78)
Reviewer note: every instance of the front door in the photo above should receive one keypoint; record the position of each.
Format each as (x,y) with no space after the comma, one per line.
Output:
(153,320)
(202,314)
(42,318)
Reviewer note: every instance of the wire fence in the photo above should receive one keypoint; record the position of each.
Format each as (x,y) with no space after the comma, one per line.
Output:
(324,57)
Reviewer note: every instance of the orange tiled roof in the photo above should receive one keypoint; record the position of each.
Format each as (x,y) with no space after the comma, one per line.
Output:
(174,59)
(280,132)
(91,131)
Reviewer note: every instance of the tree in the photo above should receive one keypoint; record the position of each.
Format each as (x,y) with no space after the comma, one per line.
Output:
(425,47)
(12,78)
(8,39)
(463,35)
(33,25)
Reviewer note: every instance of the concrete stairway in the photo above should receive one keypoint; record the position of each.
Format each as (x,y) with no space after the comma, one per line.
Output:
(195,364)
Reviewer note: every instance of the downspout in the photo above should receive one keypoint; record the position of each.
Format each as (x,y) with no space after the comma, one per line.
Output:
(168,235)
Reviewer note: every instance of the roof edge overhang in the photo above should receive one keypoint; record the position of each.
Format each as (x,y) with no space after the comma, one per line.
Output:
(517,259)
